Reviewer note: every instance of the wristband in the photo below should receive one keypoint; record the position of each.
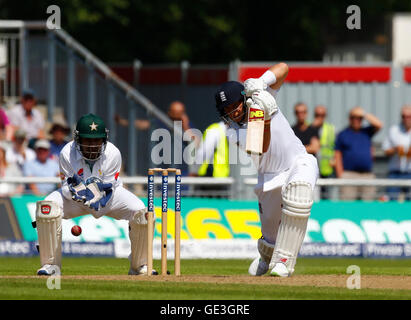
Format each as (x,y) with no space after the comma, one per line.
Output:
(269,78)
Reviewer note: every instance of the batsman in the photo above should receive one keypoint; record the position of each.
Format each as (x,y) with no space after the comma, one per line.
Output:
(90,184)
(287,174)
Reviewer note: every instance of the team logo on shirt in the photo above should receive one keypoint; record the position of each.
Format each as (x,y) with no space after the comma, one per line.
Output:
(116,175)
(80,172)
(99,172)
(62,176)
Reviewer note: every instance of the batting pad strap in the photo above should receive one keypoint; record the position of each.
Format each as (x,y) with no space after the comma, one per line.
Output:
(265,249)
(48,221)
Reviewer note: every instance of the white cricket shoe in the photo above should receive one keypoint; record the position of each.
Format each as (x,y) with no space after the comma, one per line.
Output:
(49,270)
(280,270)
(258,267)
(142,270)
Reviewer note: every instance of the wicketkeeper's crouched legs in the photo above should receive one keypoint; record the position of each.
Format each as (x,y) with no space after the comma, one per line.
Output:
(297,203)
(138,234)
(48,223)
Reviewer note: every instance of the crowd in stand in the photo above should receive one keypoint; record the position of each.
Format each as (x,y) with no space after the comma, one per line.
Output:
(27,149)
(349,154)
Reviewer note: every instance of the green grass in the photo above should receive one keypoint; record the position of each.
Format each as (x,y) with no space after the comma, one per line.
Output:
(35,288)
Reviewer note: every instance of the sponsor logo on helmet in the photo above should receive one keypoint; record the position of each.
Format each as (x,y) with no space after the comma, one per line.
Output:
(45,209)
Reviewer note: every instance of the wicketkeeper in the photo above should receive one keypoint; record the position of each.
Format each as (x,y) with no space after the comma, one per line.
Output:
(286,173)
(89,170)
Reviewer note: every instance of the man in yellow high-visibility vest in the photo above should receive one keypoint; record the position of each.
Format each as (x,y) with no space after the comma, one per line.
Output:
(213,155)
(325,155)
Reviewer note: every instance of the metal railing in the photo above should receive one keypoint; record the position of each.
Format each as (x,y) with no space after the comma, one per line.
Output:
(138,185)
(59,66)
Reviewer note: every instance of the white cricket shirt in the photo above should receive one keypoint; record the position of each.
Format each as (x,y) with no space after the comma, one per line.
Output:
(107,167)
(284,148)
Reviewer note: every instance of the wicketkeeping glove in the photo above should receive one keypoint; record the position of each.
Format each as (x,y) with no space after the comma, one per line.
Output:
(98,194)
(77,188)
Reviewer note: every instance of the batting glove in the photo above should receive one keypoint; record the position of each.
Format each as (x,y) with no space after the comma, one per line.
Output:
(267,102)
(253,85)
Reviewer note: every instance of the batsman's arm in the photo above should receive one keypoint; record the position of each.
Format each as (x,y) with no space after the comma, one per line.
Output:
(280,72)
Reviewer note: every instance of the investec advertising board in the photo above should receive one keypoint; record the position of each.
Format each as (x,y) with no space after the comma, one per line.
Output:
(215,228)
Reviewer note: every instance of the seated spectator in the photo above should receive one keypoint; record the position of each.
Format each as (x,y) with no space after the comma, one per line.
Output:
(306,133)
(353,154)
(26,117)
(397,146)
(59,131)
(6,129)
(42,166)
(9,170)
(19,153)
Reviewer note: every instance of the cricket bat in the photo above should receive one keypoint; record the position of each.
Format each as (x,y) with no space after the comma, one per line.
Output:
(255,131)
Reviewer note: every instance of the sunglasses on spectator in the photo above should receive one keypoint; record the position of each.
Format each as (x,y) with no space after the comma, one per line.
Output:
(356,117)
(406,116)
(301,111)
(320,115)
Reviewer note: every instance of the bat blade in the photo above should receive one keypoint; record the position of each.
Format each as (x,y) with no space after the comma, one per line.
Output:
(255,131)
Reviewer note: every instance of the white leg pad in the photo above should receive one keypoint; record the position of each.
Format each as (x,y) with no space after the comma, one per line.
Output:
(138,239)
(48,222)
(297,197)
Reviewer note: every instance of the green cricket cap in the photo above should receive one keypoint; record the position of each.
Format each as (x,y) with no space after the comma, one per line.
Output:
(91,126)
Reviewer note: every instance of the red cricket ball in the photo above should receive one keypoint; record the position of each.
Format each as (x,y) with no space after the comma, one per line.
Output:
(76,231)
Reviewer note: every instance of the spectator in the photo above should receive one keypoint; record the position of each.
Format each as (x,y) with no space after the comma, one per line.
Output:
(397,146)
(42,166)
(59,131)
(6,129)
(9,170)
(325,156)
(18,153)
(306,133)
(213,157)
(26,117)
(353,154)
(176,112)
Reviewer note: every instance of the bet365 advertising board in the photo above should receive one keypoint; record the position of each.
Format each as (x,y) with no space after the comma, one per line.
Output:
(221,228)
